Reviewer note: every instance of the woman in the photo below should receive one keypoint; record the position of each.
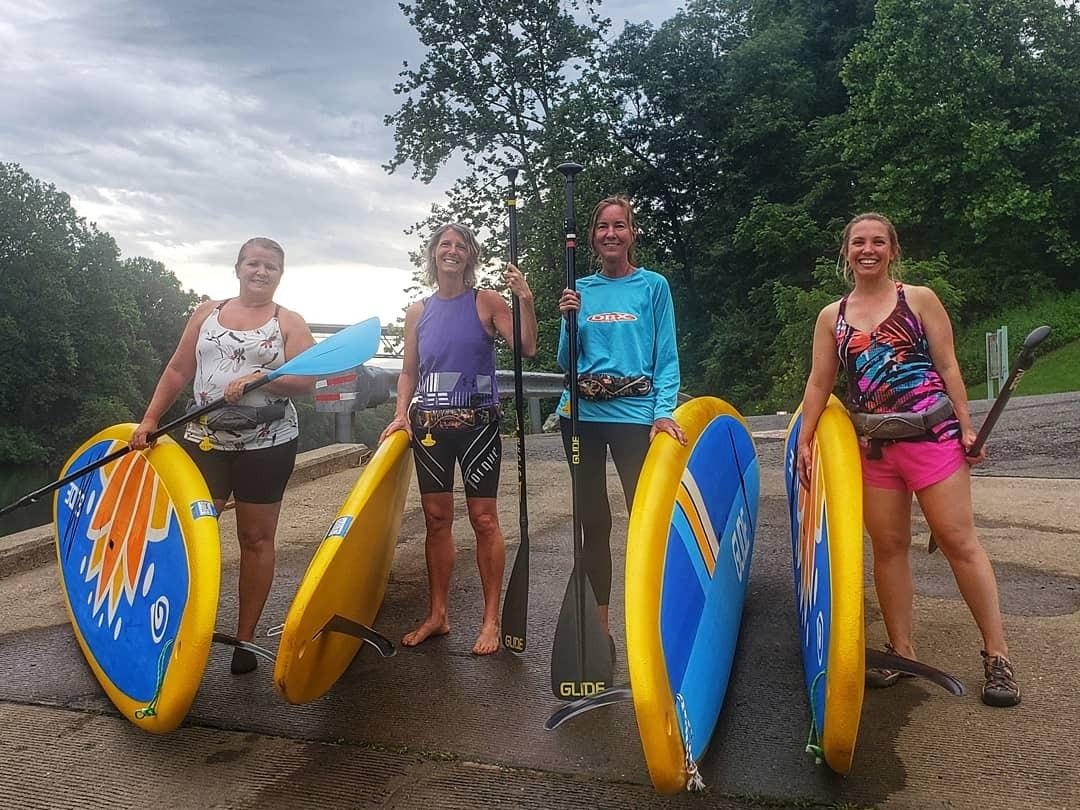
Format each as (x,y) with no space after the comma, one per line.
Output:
(248,448)
(628,378)
(895,343)
(449,365)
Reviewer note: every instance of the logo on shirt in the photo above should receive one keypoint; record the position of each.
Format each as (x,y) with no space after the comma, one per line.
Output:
(611,317)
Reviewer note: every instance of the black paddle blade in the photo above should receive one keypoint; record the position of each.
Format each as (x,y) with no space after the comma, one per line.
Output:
(580,654)
(878,659)
(515,613)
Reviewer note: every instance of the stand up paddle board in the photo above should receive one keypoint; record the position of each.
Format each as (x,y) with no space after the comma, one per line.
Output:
(140,568)
(688,555)
(339,596)
(826,545)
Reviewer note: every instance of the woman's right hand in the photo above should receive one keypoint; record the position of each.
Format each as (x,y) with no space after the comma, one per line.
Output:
(139,439)
(804,460)
(399,423)
(569,301)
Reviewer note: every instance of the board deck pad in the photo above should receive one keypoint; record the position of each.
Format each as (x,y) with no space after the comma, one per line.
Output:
(137,547)
(688,558)
(826,546)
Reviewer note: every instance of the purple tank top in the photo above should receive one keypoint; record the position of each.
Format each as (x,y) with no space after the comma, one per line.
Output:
(457,355)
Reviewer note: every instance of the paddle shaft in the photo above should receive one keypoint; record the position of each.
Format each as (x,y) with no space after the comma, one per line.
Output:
(569,170)
(345,349)
(1024,361)
(519,387)
(516,602)
(32,497)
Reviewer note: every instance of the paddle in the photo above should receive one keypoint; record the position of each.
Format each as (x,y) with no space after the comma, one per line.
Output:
(345,349)
(1024,361)
(580,656)
(515,615)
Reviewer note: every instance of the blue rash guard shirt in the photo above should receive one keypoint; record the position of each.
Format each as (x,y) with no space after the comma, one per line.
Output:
(626,328)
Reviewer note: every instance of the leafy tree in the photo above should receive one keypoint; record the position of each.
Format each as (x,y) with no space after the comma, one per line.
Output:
(84,334)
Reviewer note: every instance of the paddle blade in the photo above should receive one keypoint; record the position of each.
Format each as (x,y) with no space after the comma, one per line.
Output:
(345,349)
(515,614)
(581,652)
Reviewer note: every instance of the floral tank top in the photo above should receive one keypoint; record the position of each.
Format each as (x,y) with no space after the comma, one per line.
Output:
(889,369)
(223,355)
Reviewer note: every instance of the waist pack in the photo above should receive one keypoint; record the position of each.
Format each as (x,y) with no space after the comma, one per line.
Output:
(607,386)
(244,417)
(455,418)
(903,425)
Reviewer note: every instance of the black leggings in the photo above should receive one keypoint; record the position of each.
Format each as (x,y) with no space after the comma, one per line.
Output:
(629,444)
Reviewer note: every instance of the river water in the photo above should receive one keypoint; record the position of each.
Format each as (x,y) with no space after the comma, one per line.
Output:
(16,482)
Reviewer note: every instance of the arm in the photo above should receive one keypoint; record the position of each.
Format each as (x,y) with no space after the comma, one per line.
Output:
(502,318)
(939,336)
(824,366)
(178,373)
(297,338)
(409,376)
(666,377)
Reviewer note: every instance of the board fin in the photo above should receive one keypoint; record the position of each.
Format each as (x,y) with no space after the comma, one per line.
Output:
(616,694)
(232,641)
(339,624)
(877,659)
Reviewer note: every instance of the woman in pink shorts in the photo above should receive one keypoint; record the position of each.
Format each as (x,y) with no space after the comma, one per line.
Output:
(895,343)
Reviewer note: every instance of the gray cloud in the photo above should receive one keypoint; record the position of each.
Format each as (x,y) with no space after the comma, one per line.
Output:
(182,128)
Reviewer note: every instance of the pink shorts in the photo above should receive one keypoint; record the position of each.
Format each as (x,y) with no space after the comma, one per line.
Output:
(912,466)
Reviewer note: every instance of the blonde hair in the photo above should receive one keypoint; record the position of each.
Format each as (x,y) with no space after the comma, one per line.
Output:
(472,246)
(843,269)
(628,209)
(263,242)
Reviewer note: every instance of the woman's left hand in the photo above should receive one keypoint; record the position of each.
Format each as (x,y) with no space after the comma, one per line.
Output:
(515,280)
(235,389)
(668,426)
(967,439)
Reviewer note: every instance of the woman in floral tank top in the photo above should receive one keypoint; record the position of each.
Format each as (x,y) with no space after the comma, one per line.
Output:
(895,343)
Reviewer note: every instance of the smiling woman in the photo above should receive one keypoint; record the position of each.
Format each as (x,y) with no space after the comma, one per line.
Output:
(247,449)
(449,365)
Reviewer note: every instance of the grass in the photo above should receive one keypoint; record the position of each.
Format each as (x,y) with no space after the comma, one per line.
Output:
(1053,373)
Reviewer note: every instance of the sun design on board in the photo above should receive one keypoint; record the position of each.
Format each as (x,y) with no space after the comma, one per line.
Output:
(133,511)
(811,532)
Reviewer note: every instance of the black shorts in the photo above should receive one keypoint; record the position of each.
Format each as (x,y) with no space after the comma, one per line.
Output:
(250,476)
(477,449)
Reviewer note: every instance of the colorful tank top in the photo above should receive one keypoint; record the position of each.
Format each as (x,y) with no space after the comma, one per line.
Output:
(222,355)
(457,355)
(889,369)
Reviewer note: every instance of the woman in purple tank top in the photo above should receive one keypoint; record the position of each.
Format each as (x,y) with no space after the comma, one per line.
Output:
(448,402)
(895,343)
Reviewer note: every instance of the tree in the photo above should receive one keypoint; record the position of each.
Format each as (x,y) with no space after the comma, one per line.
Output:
(78,326)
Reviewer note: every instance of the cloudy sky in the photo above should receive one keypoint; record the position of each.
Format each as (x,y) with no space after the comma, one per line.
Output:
(182,127)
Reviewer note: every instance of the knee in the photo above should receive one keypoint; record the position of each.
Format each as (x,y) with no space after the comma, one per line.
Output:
(890,545)
(438,520)
(486,526)
(959,544)
(255,539)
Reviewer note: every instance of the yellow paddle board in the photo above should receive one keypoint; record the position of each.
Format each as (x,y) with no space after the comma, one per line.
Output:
(140,567)
(827,554)
(346,578)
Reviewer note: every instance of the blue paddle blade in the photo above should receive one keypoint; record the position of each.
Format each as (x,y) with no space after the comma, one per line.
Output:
(345,349)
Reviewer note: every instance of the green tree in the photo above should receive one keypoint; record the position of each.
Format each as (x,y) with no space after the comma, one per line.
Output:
(83,333)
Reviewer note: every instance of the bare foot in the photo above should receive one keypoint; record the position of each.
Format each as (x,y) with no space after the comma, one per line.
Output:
(488,640)
(434,626)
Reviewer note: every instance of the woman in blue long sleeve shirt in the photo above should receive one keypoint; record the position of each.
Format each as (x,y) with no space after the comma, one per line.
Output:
(628,377)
